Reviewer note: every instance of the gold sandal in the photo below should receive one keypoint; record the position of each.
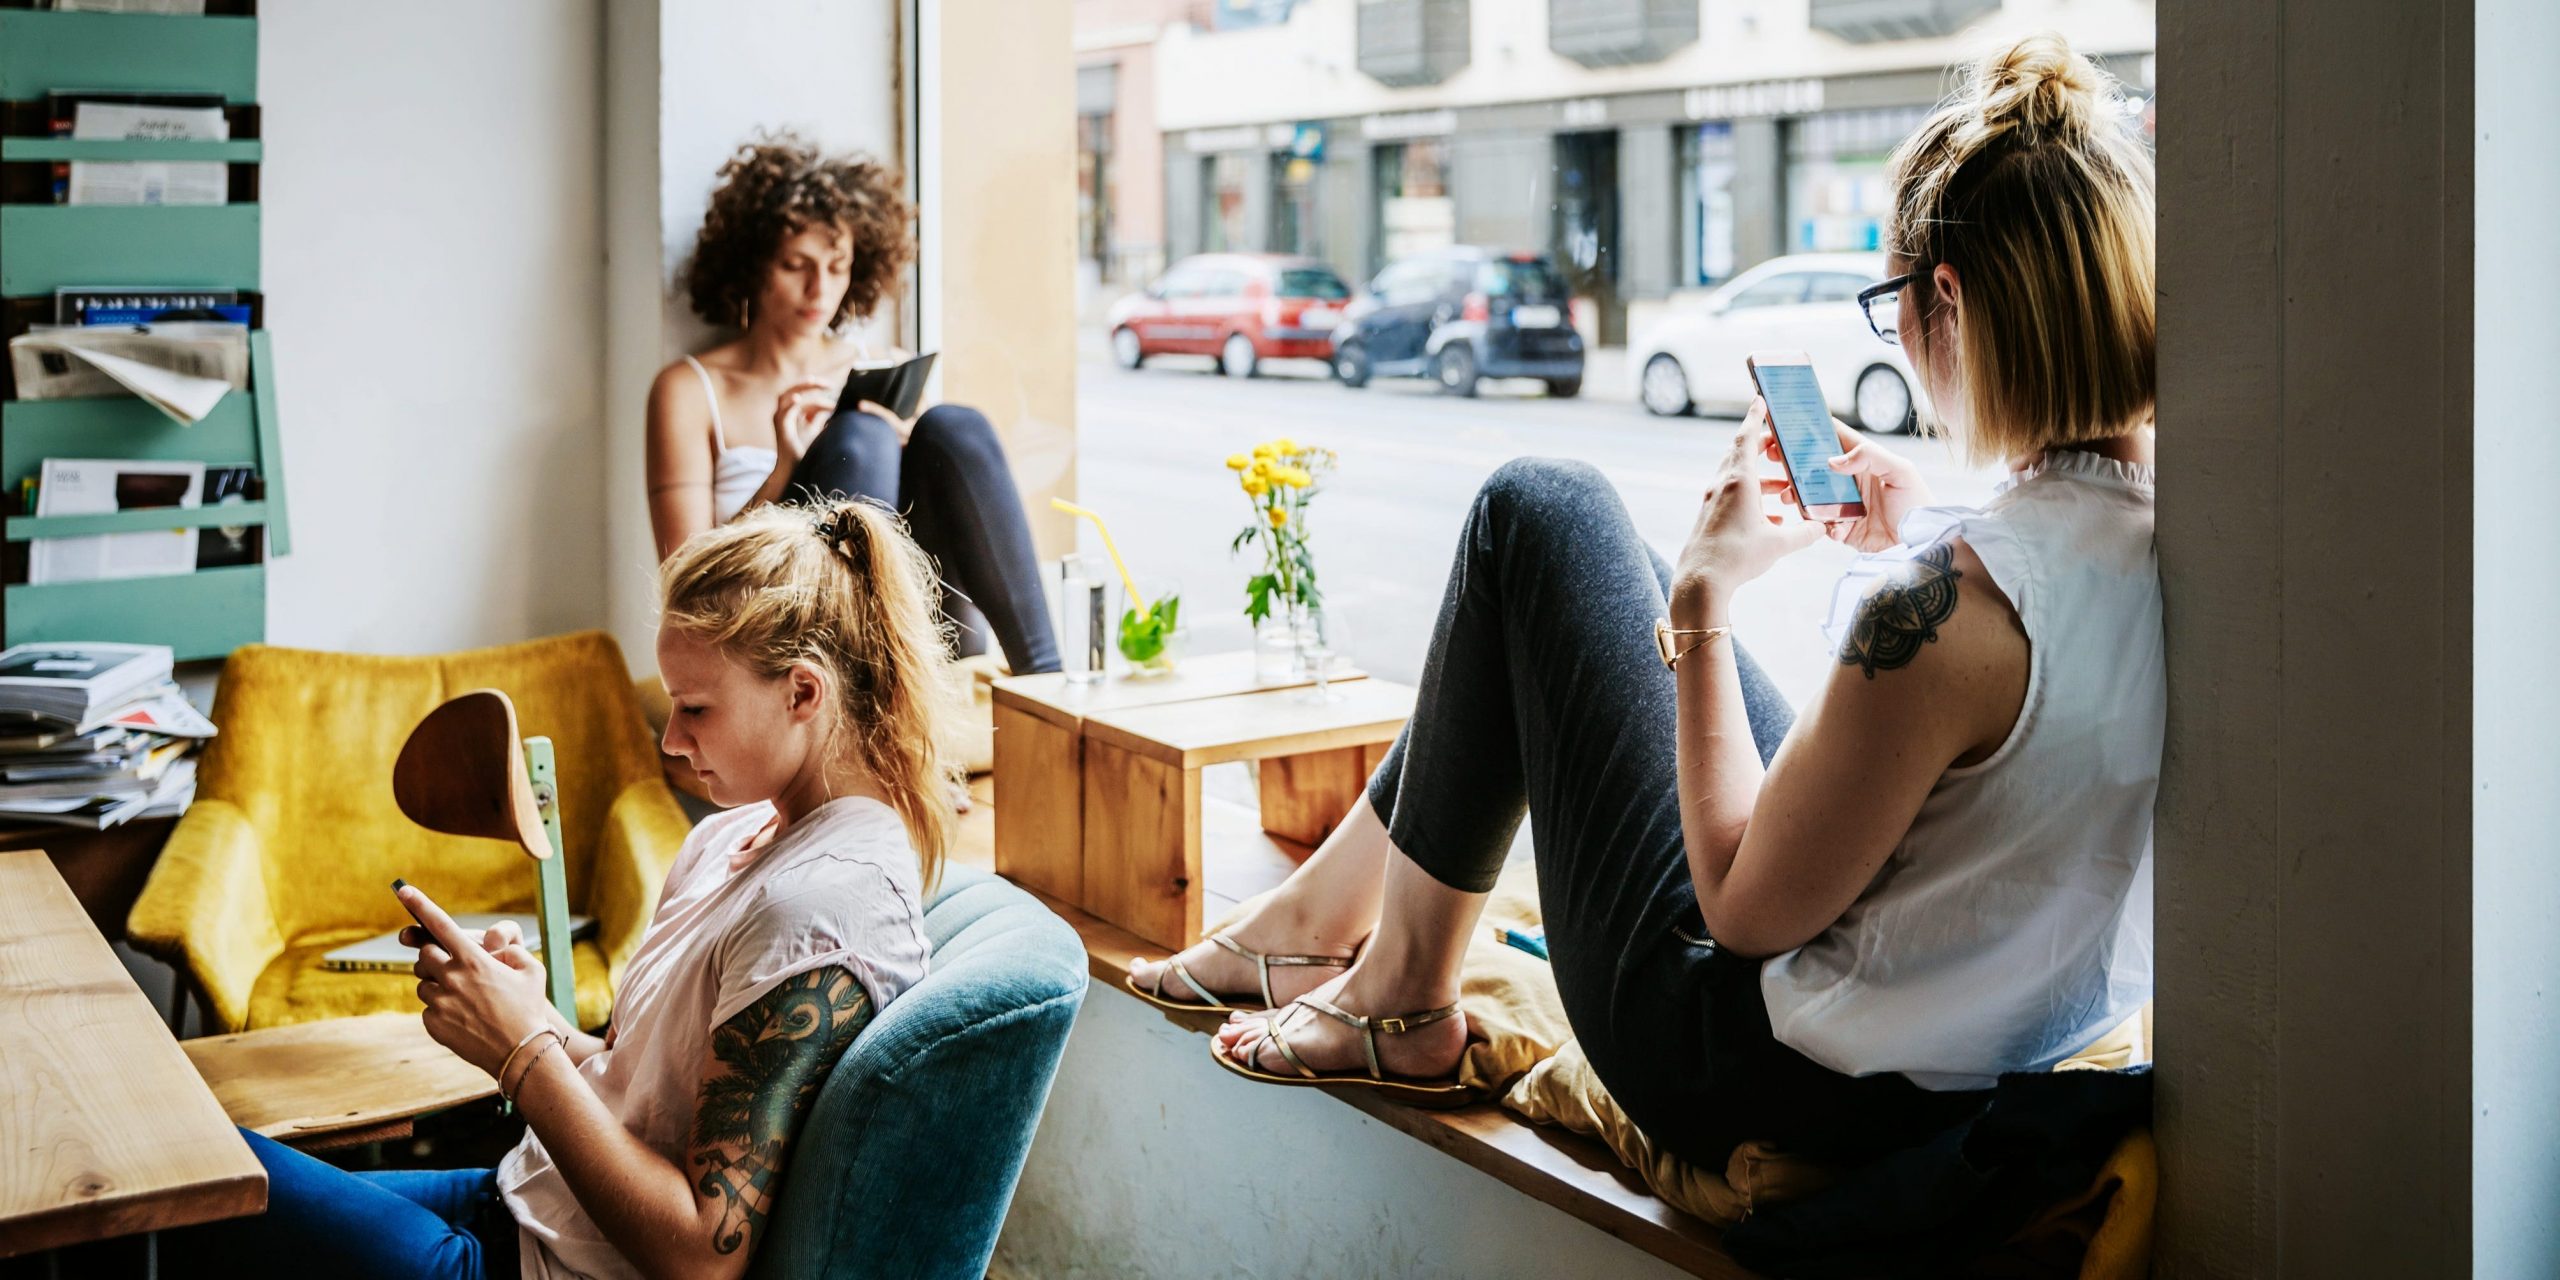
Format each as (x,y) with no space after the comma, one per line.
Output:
(1262,969)
(1446,1092)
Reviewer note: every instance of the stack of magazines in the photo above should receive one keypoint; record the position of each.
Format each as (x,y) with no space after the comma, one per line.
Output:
(94,735)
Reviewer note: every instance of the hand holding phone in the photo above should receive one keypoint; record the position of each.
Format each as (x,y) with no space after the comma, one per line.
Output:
(1800,419)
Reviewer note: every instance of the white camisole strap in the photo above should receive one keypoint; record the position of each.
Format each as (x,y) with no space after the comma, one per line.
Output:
(719,438)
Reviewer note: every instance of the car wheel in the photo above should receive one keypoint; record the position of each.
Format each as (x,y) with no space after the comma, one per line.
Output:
(1883,401)
(1564,388)
(1236,358)
(1126,349)
(1351,365)
(1455,368)
(1665,388)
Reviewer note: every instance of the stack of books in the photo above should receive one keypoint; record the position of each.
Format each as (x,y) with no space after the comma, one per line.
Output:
(94,735)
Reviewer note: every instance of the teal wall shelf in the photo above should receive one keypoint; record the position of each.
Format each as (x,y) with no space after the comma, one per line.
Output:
(238,151)
(41,51)
(208,613)
(205,614)
(214,246)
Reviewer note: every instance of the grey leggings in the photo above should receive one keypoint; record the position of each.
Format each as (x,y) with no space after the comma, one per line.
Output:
(951,482)
(1543,695)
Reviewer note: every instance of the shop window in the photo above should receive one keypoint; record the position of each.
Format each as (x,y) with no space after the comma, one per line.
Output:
(1222,214)
(1293,205)
(1838,198)
(1706,203)
(1415,214)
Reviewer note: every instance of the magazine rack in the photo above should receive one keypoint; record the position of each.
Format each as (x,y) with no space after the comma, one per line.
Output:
(210,612)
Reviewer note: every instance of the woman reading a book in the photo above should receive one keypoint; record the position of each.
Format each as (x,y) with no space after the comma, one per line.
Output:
(797,246)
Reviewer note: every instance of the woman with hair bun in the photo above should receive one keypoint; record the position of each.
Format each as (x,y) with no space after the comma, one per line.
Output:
(796,246)
(1832,932)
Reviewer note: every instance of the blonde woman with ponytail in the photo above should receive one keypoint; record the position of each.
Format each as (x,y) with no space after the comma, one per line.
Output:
(1835,933)
(805,658)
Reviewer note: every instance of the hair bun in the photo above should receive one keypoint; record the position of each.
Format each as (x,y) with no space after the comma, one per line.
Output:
(2039,87)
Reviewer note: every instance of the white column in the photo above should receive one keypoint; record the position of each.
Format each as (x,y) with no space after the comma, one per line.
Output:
(687,82)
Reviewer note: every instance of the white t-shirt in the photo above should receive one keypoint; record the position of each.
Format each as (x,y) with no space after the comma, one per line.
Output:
(841,887)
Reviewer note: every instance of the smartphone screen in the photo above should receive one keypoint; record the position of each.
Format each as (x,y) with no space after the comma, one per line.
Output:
(1802,422)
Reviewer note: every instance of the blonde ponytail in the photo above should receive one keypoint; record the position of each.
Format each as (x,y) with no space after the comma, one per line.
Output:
(842,588)
(2030,184)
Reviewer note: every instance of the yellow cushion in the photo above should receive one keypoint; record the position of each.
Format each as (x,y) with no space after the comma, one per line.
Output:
(295,815)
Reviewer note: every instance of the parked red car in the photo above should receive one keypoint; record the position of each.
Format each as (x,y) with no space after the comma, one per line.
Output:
(1243,308)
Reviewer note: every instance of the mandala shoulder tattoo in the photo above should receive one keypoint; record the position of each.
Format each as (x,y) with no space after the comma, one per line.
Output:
(1905,613)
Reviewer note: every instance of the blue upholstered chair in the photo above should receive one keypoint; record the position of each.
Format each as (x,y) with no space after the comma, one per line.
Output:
(909,1159)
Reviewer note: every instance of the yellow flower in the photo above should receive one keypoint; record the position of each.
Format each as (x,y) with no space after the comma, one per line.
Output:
(1262,469)
(1285,445)
(1264,450)
(1295,477)
(1256,486)
(1279,516)
(1238,462)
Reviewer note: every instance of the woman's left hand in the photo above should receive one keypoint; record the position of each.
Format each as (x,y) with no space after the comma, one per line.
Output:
(478,1005)
(1737,538)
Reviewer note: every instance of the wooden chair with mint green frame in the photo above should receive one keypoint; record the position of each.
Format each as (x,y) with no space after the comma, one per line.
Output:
(464,772)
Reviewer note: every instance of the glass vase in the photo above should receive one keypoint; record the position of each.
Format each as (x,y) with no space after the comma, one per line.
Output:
(1277,656)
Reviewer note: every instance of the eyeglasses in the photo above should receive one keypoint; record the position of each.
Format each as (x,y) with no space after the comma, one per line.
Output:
(1883,305)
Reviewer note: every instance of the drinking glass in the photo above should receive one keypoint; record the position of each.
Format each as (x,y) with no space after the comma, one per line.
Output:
(1084,616)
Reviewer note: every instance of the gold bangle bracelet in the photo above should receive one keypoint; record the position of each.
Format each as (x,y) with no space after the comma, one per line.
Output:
(507,1094)
(529,1037)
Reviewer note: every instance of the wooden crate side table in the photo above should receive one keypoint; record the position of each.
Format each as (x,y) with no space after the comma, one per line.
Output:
(1040,755)
(1145,857)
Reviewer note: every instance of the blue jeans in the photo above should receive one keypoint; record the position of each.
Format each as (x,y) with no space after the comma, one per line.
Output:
(322,1221)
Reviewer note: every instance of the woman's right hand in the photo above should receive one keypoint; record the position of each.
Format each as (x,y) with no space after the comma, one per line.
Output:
(1889,484)
(799,414)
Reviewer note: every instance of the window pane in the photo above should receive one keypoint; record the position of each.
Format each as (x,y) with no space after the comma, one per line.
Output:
(1312,282)
(1773,292)
(1832,286)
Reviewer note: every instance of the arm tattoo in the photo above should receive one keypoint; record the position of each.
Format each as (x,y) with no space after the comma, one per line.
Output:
(773,1055)
(1904,613)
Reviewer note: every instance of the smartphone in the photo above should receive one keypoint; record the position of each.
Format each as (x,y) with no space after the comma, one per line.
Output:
(1801,420)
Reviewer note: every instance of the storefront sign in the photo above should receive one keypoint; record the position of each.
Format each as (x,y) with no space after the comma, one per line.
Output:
(1409,124)
(1244,137)
(1759,98)
(1584,113)
(1307,141)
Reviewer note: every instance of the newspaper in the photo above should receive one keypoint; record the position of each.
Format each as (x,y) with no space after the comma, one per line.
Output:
(96,486)
(149,181)
(182,368)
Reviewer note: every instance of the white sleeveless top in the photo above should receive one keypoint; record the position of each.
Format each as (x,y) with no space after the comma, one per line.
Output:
(2012,925)
(736,473)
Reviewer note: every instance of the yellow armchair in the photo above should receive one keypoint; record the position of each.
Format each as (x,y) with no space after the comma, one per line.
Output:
(291,846)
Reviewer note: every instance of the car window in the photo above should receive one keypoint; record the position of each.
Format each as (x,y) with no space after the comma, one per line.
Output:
(1312,282)
(1776,291)
(1834,286)
(1181,282)
(1225,283)
(1407,283)
(1516,281)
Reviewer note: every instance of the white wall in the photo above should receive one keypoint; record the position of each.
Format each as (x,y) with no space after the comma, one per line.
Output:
(1309,66)
(2515,1104)
(690,80)
(1150,1161)
(433,272)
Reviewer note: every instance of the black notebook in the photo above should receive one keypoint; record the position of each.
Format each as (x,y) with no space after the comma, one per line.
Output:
(899,388)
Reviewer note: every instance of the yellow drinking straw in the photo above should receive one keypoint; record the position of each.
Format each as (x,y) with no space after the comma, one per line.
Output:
(1127,583)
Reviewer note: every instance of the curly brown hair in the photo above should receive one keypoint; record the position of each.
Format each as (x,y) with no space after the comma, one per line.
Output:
(776,186)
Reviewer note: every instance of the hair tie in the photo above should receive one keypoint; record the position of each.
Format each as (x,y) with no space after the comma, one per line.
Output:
(839,528)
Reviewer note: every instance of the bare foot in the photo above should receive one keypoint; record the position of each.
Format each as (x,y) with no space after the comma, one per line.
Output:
(1234,979)
(1427,1052)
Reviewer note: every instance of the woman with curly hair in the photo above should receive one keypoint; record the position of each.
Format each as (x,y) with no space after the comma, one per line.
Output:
(797,245)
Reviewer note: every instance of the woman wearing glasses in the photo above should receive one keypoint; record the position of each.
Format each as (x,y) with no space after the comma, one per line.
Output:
(1832,930)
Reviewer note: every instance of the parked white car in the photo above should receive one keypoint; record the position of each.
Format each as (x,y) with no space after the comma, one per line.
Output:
(1692,360)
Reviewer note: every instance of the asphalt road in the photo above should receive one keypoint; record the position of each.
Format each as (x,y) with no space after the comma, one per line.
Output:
(1152,450)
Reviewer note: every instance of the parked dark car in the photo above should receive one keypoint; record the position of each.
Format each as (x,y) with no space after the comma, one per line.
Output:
(1461,315)
(1243,308)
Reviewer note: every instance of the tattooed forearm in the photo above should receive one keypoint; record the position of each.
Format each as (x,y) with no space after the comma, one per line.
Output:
(770,1060)
(1905,613)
